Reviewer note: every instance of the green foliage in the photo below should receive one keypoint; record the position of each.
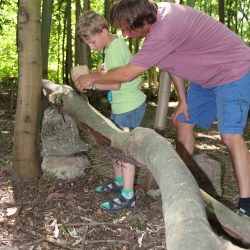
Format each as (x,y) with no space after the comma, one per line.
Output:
(138,224)
(7,83)
(8,50)
(173,95)
(48,176)
(2,163)
(58,99)
(97,59)
(236,18)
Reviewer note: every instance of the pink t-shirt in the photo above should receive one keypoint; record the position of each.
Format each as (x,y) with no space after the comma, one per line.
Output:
(194,46)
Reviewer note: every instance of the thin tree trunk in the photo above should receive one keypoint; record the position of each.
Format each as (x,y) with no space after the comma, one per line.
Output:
(78,44)
(191,3)
(26,139)
(46,27)
(68,64)
(86,49)
(107,10)
(82,52)
(64,74)
(236,17)
(221,11)
(162,104)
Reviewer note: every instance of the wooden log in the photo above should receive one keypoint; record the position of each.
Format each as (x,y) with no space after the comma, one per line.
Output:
(186,223)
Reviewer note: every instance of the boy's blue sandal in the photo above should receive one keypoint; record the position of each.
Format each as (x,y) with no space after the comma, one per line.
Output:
(122,204)
(108,188)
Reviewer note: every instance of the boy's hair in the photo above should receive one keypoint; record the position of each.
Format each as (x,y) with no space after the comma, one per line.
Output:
(132,14)
(90,23)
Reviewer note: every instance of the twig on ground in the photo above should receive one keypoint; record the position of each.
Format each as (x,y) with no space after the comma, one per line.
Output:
(108,241)
(84,231)
(31,243)
(79,224)
(47,238)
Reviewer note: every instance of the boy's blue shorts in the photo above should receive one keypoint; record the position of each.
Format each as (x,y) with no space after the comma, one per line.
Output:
(131,119)
(229,103)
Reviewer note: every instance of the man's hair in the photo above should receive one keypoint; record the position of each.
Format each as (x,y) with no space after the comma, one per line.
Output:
(133,14)
(90,23)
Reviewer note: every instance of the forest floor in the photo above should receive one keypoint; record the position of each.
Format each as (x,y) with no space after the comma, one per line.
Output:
(48,213)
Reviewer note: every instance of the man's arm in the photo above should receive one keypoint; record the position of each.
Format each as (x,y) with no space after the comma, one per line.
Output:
(115,76)
(182,103)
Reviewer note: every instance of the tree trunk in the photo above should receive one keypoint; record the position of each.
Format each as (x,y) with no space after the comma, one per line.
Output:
(46,27)
(236,17)
(184,214)
(26,143)
(82,52)
(162,104)
(86,49)
(221,11)
(107,10)
(68,64)
(191,3)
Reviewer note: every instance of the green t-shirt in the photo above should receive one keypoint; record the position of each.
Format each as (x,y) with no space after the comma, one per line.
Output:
(129,96)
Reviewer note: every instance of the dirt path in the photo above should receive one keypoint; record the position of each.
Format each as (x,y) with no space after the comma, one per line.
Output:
(54,214)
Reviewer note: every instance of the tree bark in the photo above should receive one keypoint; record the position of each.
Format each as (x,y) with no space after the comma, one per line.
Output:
(82,51)
(162,104)
(184,214)
(46,27)
(68,62)
(191,3)
(26,164)
(107,10)
(221,11)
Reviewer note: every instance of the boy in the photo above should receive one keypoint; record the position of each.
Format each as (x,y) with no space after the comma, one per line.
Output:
(127,104)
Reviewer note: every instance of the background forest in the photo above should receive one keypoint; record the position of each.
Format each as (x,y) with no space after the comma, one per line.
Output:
(61,49)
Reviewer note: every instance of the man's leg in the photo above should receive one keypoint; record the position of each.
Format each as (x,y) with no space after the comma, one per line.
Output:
(185,141)
(240,157)
(233,102)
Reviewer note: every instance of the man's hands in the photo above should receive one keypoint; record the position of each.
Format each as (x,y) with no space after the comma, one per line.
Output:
(181,108)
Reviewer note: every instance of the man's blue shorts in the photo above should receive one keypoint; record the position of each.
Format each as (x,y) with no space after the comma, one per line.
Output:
(131,119)
(229,103)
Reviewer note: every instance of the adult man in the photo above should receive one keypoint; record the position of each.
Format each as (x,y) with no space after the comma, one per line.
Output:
(192,46)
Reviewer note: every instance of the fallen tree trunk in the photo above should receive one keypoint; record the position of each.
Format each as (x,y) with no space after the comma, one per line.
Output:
(184,213)
(235,226)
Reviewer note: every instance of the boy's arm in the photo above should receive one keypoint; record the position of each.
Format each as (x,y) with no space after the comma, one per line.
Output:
(114,76)
(106,86)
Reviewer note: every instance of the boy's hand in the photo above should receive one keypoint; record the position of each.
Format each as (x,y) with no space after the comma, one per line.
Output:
(100,68)
(84,82)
